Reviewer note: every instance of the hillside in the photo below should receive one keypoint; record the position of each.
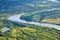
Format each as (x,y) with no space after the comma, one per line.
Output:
(19,5)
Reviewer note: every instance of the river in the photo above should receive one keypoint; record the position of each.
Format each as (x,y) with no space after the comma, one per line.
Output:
(17,19)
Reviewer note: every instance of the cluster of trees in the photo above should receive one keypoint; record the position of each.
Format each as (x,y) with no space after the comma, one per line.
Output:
(31,32)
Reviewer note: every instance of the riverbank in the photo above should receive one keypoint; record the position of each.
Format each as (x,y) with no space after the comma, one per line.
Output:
(17,19)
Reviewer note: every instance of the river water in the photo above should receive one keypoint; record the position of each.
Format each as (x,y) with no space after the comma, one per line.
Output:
(16,18)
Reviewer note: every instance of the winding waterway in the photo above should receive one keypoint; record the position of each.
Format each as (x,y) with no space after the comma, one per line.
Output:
(17,19)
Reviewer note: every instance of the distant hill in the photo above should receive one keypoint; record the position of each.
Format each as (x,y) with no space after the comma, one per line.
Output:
(15,5)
